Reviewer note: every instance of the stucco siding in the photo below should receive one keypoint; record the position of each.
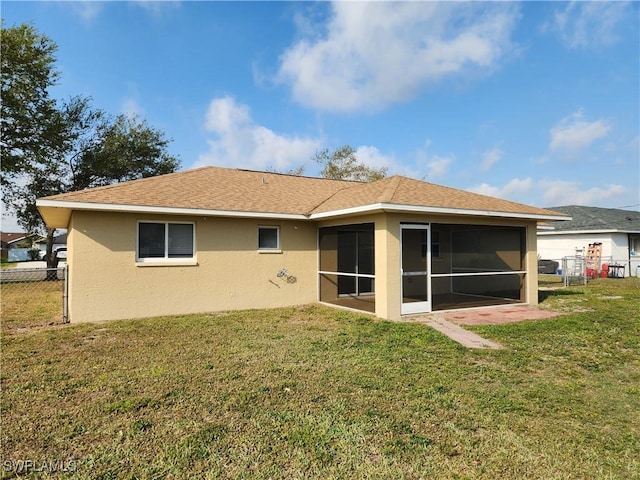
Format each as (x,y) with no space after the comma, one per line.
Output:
(229,272)
(531,262)
(106,283)
(388,236)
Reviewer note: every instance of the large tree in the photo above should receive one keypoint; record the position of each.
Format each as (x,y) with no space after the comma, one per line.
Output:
(28,124)
(124,148)
(342,164)
(73,147)
(97,150)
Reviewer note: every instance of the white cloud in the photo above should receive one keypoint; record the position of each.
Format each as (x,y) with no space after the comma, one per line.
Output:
(486,189)
(573,133)
(437,166)
(156,8)
(562,192)
(240,142)
(88,10)
(85,10)
(517,186)
(553,192)
(131,108)
(372,157)
(490,158)
(513,190)
(377,53)
(583,24)
(225,115)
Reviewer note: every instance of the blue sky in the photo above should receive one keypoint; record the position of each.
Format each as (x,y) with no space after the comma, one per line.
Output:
(536,102)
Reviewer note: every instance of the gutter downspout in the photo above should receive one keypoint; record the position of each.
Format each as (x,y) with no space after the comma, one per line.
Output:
(629,252)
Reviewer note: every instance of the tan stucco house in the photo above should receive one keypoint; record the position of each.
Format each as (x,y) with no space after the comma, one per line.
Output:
(215,239)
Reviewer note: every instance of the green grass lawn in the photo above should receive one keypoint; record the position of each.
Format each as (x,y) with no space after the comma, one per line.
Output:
(315,392)
(547,280)
(31,304)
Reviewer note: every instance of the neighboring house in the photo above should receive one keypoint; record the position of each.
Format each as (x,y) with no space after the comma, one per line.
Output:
(215,239)
(15,246)
(59,241)
(617,230)
(16,240)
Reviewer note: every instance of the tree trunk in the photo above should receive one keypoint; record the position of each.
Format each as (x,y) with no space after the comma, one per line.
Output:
(51,256)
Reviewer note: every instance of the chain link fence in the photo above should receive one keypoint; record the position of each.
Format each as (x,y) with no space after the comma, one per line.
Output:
(574,271)
(33,296)
(579,269)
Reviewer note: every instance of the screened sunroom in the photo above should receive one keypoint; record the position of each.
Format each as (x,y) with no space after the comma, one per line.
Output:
(441,266)
(477,265)
(347,266)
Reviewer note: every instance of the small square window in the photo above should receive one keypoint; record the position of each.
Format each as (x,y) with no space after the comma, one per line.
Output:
(268,238)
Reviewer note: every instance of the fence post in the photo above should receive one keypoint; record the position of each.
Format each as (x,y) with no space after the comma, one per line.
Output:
(65,296)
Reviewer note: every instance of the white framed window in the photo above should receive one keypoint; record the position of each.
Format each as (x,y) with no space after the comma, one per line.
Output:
(165,242)
(268,239)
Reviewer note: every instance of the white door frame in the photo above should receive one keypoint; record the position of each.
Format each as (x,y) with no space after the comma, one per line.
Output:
(415,307)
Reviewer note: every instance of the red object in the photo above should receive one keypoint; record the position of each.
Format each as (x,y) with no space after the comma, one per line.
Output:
(605,270)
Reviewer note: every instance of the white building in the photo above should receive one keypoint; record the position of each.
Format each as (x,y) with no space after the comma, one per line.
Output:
(617,230)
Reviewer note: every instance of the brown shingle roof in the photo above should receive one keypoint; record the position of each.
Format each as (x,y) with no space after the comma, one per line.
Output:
(214,188)
(10,237)
(244,191)
(405,191)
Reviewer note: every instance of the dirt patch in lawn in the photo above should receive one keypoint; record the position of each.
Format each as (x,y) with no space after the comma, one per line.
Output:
(497,315)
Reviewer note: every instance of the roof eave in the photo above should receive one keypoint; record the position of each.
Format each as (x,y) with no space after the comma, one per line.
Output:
(16,240)
(56,212)
(588,232)
(391,207)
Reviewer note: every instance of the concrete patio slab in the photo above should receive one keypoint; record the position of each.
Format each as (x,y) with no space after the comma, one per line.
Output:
(497,315)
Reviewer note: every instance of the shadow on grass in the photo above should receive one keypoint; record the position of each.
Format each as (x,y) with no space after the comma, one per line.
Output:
(544,294)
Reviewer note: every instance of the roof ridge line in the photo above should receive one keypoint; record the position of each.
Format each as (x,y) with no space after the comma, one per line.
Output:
(285,174)
(391,189)
(346,187)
